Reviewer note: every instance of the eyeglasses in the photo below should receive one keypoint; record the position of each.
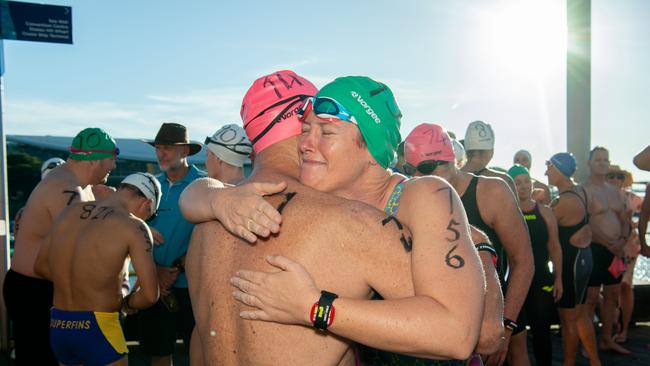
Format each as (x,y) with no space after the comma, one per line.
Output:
(241,148)
(426,167)
(326,108)
(291,102)
(619,176)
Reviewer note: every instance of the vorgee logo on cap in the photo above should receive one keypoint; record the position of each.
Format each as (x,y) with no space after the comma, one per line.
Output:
(365,106)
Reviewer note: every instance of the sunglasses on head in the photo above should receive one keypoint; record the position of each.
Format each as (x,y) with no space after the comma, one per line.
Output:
(241,148)
(619,176)
(426,167)
(326,108)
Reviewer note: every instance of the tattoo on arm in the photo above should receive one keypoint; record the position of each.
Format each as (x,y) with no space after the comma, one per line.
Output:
(456,233)
(407,242)
(72,194)
(454,261)
(289,196)
(147,237)
(451,198)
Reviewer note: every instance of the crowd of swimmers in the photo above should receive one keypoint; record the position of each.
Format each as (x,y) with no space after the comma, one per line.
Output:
(350,243)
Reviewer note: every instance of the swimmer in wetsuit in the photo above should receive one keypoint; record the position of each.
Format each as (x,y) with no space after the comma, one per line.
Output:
(85,256)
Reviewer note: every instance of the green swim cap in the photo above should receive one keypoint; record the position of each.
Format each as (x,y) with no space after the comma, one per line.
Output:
(93,144)
(376,111)
(516,170)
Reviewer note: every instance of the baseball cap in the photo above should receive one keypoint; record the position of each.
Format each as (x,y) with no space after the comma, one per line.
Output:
(148,185)
(375,110)
(479,136)
(270,107)
(50,164)
(428,141)
(93,144)
(564,162)
(230,144)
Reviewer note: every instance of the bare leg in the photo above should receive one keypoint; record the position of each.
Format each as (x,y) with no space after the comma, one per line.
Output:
(568,319)
(627,306)
(517,352)
(586,331)
(161,361)
(612,292)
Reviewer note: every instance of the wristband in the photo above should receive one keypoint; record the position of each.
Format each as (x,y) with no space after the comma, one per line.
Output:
(509,324)
(486,247)
(322,313)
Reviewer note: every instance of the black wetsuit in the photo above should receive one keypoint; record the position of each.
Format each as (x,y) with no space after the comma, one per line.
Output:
(539,305)
(577,263)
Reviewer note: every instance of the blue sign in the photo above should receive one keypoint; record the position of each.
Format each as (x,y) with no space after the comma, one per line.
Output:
(35,22)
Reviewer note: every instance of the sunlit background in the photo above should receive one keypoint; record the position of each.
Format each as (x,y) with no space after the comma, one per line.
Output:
(135,64)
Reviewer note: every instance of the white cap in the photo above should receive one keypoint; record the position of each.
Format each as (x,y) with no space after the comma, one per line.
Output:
(479,136)
(148,185)
(459,151)
(230,144)
(50,164)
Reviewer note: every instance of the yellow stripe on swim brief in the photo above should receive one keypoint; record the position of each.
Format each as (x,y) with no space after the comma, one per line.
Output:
(109,323)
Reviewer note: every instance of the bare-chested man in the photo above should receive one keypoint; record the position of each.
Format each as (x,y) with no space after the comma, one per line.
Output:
(85,256)
(541,193)
(491,208)
(479,150)
(607,221)
(339,260)
(27,295)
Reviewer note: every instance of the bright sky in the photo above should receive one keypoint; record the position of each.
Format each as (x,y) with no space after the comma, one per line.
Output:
(135,64)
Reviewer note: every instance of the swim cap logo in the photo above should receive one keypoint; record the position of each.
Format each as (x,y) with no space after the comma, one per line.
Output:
(365,106)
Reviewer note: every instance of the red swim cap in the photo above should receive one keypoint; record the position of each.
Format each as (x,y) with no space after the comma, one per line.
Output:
(428,141)
(269,109)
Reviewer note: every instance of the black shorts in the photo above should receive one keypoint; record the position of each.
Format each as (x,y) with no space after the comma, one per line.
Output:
(159,328)
(602,259)
(577,265)
(29,301)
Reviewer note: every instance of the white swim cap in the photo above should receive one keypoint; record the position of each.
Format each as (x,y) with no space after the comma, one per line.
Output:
(230,144)
(148,185)
(50,164)
(479,136)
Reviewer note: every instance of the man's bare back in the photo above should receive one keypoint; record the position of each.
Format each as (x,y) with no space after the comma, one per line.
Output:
(346,246)
(58,190)
(86,255)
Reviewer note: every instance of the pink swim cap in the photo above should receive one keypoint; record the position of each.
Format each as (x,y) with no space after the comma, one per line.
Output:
(428,141)
(269,109)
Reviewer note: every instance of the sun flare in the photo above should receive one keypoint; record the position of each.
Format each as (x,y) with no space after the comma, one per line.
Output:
(528,38)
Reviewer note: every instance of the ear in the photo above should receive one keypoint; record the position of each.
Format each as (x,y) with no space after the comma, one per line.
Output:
(186,151)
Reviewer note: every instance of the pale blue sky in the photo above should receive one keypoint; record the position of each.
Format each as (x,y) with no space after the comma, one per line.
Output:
(135,64)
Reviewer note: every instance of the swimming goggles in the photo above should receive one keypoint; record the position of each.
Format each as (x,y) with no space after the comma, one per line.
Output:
(426,167)
(326,108)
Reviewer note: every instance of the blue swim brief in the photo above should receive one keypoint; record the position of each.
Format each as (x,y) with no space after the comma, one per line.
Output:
(86,337)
